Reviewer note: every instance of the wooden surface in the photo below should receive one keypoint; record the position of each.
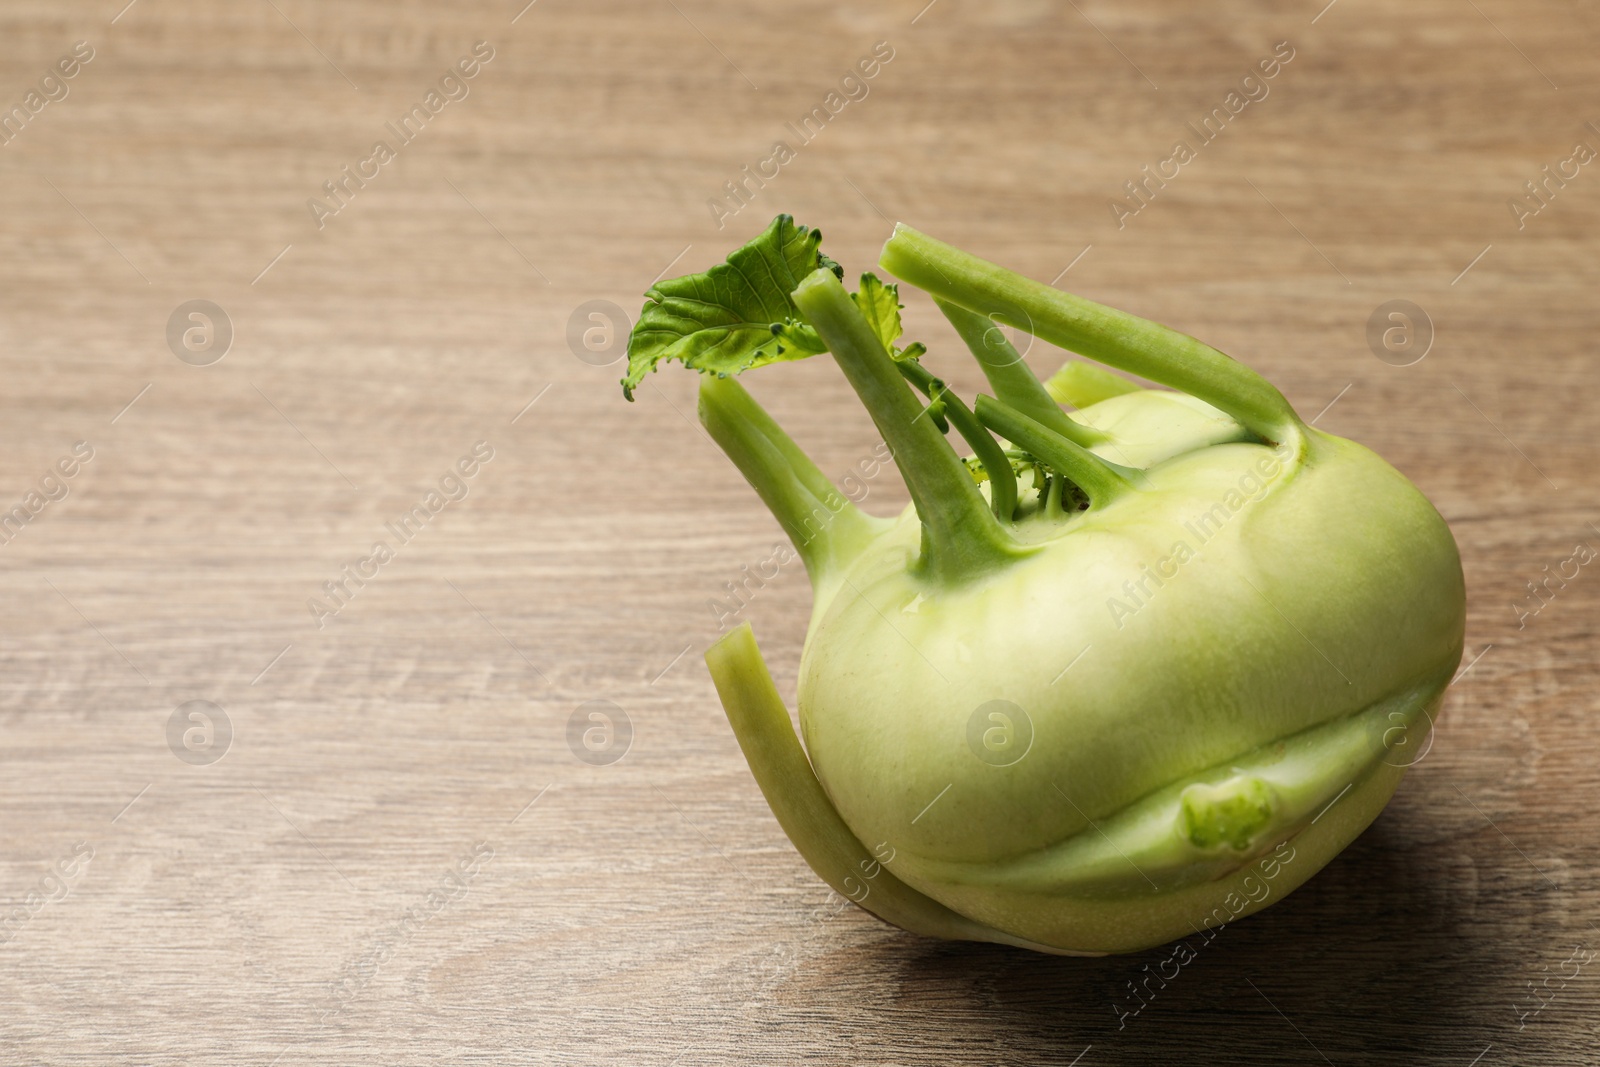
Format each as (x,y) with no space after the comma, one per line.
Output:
(292,902)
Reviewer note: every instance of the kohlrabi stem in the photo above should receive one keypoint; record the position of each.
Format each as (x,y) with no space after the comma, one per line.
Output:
(960,535)
(1099,480)
(1124,341)
(1052,502)
(826,528)
(1081,383)
(1002,482)
(761,723)
(1010,376)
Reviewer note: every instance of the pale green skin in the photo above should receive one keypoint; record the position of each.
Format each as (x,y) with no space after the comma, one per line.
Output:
(1210,675)
(1210,750)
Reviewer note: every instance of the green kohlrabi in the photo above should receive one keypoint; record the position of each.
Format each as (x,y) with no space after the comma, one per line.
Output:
(1103,666)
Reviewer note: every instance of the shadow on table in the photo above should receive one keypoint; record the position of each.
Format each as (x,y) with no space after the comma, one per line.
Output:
(1374,957)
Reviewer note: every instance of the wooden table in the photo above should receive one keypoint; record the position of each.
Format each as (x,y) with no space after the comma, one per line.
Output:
(399,858)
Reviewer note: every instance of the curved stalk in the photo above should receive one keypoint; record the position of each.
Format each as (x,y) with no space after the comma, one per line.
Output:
(1002,481)
(826,528)
(961,536)
(1101,481)
(760,721)
(1124,341)
(1081,383)
(1010,376)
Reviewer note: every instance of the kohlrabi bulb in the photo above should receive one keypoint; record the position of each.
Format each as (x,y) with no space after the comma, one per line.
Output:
(1116,678)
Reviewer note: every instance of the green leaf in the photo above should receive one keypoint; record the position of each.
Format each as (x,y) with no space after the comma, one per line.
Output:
(880,305)
(735,316)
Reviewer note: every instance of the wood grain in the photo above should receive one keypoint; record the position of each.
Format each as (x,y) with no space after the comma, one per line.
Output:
(361,878)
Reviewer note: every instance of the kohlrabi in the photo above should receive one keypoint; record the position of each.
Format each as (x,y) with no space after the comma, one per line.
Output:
(1100,674)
